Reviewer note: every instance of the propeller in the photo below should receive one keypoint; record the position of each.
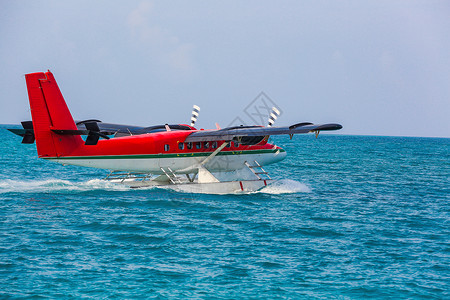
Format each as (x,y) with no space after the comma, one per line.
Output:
(27,132)
(195,112)
(28,137)
(94,133)
(273,116)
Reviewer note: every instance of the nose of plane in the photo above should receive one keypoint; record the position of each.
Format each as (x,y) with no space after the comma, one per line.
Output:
(279,154)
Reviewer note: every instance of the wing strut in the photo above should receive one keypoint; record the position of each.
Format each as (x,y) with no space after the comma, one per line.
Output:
(212,155)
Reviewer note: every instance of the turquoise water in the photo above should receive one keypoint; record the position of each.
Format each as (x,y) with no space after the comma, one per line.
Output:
(351,217)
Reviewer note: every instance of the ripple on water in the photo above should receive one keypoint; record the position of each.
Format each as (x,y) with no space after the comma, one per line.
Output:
(354,217)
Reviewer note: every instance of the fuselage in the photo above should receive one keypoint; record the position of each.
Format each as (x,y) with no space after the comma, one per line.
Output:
(167,149)
(154,149)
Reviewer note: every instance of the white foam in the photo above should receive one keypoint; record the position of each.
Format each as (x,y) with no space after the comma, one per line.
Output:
(55,185)
(285,186)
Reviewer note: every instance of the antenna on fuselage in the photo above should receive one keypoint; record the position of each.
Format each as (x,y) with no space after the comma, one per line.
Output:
(195,112)
(273,116)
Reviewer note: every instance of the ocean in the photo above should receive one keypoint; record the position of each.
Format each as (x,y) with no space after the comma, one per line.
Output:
(349,217)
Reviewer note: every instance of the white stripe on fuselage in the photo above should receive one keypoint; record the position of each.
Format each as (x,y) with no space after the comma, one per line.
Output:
(223,163)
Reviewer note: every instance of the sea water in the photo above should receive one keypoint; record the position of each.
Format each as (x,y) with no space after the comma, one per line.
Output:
(349,217)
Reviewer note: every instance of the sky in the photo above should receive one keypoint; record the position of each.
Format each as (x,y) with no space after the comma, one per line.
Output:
(376,67)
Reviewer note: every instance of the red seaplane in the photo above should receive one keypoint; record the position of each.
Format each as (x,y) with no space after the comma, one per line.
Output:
(179,155)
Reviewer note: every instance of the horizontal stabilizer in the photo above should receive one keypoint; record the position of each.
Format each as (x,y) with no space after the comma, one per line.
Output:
(17,131)
(70,132)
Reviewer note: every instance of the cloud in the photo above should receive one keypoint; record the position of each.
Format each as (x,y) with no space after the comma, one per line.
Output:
(138,17)
(158,43)
(181,58)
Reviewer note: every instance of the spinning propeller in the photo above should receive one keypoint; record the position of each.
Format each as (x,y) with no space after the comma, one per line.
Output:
(195,112)
(274,114)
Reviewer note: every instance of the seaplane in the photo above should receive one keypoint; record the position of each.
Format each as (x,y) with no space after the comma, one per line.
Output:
(178,156)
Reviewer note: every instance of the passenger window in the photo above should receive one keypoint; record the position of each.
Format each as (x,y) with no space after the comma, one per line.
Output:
(214,145)
(166,147)
(189,145)
(228,144)
(236,144)
(181,146)
(206,145)
(198,145)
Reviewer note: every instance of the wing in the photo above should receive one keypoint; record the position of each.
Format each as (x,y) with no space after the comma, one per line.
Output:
(107,128)
(231,133)
(123,130)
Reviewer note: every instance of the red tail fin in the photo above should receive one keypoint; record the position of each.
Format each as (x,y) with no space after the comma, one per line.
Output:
(49,111)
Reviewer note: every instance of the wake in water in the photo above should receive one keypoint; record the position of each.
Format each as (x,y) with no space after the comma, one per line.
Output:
(57,185)
(283,186)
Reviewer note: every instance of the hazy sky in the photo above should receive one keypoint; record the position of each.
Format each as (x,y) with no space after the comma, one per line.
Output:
(376,67)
